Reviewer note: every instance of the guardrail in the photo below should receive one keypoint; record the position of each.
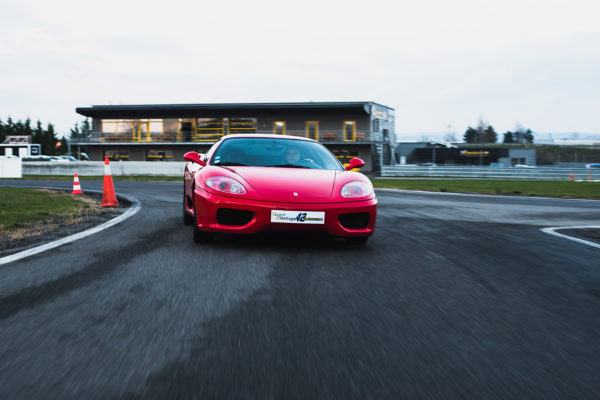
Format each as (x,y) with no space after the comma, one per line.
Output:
(542,173)
(175,168)
(118,168)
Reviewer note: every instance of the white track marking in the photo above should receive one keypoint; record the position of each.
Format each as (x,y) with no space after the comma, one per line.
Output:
(552,231)
(131,211)
(495,196)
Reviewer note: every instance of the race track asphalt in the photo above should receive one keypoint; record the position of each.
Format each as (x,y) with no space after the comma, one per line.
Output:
(454,297)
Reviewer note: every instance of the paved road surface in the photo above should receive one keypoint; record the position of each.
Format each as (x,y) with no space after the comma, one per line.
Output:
(454,297)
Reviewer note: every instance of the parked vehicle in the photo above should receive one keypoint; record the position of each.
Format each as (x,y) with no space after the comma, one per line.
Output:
(524,166)
(36,158)
(69,158)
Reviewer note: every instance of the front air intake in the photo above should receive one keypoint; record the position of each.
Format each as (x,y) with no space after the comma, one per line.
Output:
(228,216)
(354,220)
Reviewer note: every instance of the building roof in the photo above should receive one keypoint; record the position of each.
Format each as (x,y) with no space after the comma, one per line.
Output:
(184,110)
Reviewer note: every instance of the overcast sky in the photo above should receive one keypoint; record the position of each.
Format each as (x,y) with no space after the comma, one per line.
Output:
(438,63)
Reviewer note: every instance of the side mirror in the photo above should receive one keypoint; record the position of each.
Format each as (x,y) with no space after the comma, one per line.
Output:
(194,157)
(355,163)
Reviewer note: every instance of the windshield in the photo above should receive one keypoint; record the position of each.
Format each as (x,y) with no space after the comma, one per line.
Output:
(277,153)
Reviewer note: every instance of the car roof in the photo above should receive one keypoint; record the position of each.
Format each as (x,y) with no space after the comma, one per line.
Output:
(266,135)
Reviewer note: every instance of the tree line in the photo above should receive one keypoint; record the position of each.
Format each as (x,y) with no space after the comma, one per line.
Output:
(485,133)
(43,134)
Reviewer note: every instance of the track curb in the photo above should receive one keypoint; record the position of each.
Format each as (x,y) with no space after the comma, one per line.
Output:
(134,208)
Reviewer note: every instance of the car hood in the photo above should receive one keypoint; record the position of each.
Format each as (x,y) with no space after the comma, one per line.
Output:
(280,184)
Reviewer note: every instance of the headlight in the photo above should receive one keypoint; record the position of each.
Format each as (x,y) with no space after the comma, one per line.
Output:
(225,184)
(356,189)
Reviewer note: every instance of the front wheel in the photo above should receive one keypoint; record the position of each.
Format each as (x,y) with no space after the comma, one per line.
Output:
(187,218)
(202,236)
(357,241)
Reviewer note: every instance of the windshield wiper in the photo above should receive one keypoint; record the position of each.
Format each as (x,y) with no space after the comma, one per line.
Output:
(230,164)
(288,166)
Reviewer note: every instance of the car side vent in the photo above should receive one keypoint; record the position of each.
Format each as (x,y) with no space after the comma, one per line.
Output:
(228,216)
(354,220)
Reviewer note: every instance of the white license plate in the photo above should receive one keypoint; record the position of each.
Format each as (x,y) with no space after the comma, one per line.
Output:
(297,217)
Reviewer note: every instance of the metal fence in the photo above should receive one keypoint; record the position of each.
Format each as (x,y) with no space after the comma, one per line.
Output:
(542,173)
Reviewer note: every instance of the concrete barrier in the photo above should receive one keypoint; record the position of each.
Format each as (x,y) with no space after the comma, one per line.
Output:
(542,173)
(10,167)
(118,168)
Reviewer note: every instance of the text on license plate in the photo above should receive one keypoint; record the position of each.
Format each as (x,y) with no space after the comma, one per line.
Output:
(297,217)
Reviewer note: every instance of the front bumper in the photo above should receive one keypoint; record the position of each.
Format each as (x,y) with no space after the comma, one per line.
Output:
(207,204)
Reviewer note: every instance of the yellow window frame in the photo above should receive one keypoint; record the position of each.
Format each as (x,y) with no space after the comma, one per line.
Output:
(136,130)
(353,125)
(316,127)
(275,126)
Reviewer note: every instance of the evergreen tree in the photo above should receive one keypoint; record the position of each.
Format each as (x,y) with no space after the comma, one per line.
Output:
(38,133)
(508,137)
(9,126)
(471,136)
(81,130)
(489,135)
(75,132)
(50,141)
(522,135)
(27,127)
(2,132)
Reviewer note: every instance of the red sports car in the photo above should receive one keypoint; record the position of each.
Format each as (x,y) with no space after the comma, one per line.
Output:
(251,183)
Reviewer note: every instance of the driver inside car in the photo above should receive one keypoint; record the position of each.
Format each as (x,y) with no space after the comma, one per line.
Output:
(294,156)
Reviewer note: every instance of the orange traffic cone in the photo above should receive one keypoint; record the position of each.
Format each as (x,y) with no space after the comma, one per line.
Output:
(76,185)
(108,191)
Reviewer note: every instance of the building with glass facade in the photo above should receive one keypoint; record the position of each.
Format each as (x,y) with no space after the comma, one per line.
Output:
(164,132)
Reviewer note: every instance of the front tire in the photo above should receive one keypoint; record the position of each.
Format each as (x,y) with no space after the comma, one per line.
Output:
(202,236)
(357,241)
(187,218)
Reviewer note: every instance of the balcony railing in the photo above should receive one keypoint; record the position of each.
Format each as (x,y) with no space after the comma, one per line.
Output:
(200,136)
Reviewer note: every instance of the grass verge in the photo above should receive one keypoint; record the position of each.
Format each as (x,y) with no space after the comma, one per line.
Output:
(581,190)
(30,216)
(20,207)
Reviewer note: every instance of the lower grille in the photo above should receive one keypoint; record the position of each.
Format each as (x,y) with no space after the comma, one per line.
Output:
(228,216)
(354,220)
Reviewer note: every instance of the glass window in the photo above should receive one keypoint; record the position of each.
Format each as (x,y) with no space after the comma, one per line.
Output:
(376,125)
(345,155)
(135,130)
(117,155)
(116,125)
(279,127)
(266,152)
(242,125)
(349,131)
(209,128)
(159,155)
(312,130)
